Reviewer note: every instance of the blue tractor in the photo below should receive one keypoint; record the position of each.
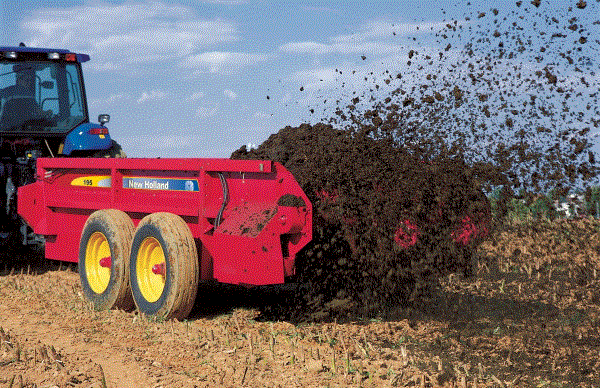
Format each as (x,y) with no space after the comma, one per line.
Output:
(43,113)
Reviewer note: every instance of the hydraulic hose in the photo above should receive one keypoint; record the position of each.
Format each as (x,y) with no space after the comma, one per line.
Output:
(225,199)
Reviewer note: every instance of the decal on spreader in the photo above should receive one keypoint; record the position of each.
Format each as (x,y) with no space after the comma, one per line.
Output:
(146,183)
(92,181)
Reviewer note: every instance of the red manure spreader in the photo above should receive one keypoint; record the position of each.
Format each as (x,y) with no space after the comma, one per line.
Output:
(146,231)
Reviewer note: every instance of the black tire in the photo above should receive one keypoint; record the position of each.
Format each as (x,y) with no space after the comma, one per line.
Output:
(164,268)
(107,231)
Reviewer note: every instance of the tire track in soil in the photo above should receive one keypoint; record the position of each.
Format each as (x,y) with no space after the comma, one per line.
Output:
(118,369)
(70,337)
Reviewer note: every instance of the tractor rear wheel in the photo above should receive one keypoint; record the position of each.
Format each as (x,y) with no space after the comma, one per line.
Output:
(104,259)
(164,268)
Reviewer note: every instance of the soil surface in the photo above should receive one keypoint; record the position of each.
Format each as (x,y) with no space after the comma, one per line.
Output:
(529,316)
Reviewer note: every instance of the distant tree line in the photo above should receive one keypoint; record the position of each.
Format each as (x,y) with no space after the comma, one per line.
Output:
(526,206)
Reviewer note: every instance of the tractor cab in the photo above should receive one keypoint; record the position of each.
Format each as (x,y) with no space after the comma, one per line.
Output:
(43,113)
(43,103)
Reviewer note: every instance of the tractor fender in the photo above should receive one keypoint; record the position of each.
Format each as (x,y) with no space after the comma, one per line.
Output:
(87,137)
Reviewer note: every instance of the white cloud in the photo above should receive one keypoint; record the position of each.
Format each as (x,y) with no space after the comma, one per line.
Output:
(307,47)
(315,78)
(225,2)
(222,62)
(111,99)
(101,65)
(260,115)
(115,35)
(163,145)
(370,48)
(373,38)
(319,9)
(207,110)
(230,94)
(197,96)
(172,142)
(151,95)
(388,29)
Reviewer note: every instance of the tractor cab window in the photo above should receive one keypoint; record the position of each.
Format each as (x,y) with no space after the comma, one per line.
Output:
(38,96)
(47,91)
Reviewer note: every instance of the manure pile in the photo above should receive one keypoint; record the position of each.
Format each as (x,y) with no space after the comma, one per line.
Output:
(386,223)
(397,171)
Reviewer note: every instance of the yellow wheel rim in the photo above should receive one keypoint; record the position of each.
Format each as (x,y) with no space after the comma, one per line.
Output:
(150,255)
(96,249)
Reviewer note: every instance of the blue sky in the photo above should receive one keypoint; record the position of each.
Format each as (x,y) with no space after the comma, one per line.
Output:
(202,78)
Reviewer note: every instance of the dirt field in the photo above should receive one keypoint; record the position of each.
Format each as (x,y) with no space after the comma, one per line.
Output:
(530,316)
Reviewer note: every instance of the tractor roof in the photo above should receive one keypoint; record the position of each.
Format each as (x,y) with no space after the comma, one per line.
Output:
(39,50)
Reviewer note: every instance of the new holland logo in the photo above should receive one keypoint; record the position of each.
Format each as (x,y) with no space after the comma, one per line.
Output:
(147,183)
